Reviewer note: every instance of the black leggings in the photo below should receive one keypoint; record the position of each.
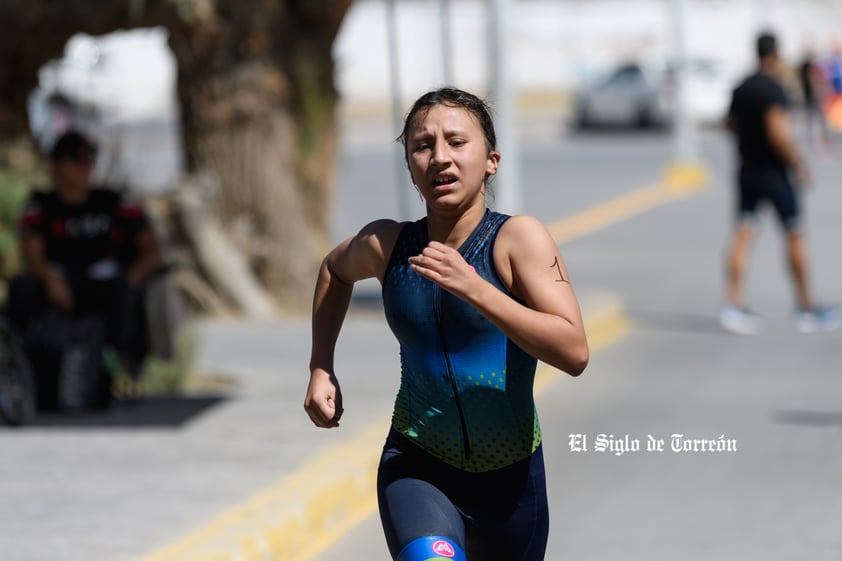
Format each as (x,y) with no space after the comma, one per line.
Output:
(499,515)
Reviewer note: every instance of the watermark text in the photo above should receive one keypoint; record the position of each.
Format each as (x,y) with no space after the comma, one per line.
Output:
(622,444)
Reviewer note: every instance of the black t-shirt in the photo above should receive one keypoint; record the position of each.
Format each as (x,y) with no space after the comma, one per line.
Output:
(100,229)
(749,104)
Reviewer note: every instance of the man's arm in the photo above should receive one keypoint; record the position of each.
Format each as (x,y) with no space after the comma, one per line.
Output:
(145,251)
(34,254)
(778,132)
(780,138)
(148,258)
(35,258)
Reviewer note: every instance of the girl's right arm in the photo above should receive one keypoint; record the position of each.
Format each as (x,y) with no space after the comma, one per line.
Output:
(360,257)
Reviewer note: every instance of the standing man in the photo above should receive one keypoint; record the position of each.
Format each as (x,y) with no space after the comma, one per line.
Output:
(771,171)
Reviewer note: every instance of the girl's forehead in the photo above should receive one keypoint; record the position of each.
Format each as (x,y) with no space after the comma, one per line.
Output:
(449,116)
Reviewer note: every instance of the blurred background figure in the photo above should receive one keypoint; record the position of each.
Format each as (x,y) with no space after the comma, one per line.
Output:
(814,92)
(834,70)
(771,171)
(88,253)
(833,103)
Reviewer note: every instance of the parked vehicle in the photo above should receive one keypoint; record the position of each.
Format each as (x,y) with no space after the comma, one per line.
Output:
(642,95)
(629,96)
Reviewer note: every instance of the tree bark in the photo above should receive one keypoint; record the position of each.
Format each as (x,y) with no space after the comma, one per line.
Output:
(224,263)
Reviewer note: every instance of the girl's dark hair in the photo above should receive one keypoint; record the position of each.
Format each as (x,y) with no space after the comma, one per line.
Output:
(452,97)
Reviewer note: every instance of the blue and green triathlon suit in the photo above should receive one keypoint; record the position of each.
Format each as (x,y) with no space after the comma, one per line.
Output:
(462,464)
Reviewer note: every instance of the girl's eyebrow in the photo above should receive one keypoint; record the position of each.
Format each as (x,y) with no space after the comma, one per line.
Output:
(447,133)
(455,132)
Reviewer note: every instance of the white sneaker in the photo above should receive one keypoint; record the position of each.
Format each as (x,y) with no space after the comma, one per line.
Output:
(822,318)
(739,320)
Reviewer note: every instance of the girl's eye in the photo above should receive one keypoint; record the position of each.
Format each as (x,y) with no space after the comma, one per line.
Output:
(457,142)
(421,147)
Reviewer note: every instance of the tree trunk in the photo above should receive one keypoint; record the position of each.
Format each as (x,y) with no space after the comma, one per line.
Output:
(241,131)
(257,91)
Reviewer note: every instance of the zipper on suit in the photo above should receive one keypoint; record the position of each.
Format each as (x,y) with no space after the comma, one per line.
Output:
(451,375)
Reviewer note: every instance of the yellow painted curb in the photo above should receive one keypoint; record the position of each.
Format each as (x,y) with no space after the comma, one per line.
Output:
(686,177)
(296,518)
(677,182)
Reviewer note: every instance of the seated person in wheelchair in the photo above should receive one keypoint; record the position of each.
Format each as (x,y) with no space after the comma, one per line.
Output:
(88,252)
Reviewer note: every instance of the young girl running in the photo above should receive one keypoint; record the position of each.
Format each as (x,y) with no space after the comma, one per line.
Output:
(474,298)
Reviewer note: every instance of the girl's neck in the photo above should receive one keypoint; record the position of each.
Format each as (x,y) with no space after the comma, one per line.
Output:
(453,231)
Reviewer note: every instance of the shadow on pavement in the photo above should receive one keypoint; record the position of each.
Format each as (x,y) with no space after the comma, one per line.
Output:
(160,412)
(676,321)
(603,130)
(808,418)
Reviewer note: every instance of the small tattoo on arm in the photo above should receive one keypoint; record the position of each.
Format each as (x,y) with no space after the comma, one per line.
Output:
(557,265)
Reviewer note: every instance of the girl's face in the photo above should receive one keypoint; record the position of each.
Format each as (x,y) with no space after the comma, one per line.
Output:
(448,158)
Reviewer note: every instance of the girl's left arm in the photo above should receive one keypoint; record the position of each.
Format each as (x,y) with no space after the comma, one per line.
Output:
(543,318)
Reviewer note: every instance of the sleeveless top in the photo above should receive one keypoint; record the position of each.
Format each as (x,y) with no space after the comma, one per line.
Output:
(465,395)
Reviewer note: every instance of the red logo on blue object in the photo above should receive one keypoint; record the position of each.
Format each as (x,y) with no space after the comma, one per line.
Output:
(443,548)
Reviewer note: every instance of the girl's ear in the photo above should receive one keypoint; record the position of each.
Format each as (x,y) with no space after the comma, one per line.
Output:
(493,162)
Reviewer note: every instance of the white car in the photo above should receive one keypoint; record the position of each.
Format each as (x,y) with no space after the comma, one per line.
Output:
(638,95)
(631,95)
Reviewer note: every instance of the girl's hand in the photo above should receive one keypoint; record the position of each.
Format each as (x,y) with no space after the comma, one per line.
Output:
(323,402)
(446,267)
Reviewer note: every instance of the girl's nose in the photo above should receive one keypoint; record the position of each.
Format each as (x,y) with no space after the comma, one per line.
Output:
(440,154)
